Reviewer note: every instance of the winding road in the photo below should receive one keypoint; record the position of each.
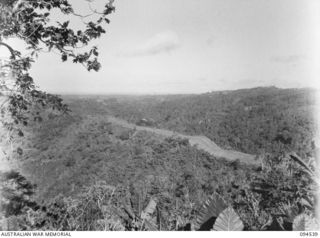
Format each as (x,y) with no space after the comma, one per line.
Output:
(201,142)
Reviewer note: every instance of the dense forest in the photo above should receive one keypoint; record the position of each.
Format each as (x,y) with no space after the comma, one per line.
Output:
(78,171)
(257,120)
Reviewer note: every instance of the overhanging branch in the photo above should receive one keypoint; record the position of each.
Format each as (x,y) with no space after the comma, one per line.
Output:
(12,51)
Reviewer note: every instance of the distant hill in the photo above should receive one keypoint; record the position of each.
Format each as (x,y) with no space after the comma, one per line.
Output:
(257,120)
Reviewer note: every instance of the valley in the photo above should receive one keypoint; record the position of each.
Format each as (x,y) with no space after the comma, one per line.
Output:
(136,149)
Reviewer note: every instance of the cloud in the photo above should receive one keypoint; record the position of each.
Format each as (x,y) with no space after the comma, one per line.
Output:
(157,44)
(288,59)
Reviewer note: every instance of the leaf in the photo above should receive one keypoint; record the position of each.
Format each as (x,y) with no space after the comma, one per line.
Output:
(228,220)
(65,24)
(64,57)
(305,202)
(95,52)
(210,209)
(150,225)
(300,161)
(149,210)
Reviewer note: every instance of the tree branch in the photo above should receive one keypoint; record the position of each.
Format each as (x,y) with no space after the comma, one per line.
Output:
(12,51)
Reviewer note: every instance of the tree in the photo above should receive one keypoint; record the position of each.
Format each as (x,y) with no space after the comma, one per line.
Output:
(31,22)
(16,193)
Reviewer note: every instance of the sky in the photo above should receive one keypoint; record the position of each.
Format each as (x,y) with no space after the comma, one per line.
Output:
(194,46)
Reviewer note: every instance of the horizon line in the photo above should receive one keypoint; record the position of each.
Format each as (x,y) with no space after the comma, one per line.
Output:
(171,93)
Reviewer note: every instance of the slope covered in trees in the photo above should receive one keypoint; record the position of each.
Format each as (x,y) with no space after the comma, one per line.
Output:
(253,121)
(89,174)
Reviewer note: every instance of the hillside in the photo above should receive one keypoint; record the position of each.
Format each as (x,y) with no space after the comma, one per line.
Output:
(72,154)
(91,156)
(253,121)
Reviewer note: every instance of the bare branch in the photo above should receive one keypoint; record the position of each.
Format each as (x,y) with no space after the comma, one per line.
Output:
(94,12)
(12,51)
(83,16)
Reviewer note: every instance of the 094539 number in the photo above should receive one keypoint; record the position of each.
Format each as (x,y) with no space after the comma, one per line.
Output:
(310,233)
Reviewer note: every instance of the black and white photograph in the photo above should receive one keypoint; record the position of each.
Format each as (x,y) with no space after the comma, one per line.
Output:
(159,115)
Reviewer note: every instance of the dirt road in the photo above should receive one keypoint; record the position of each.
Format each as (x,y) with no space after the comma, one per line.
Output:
(200,142)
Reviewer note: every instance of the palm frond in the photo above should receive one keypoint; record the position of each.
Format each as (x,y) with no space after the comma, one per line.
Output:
(149,210)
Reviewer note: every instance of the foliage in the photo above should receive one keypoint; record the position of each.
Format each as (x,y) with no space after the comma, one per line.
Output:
(16,194)
(210,211)
(101,207)
(151,182)
(89,211)
(228,220)
(256,121)
(32,22)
